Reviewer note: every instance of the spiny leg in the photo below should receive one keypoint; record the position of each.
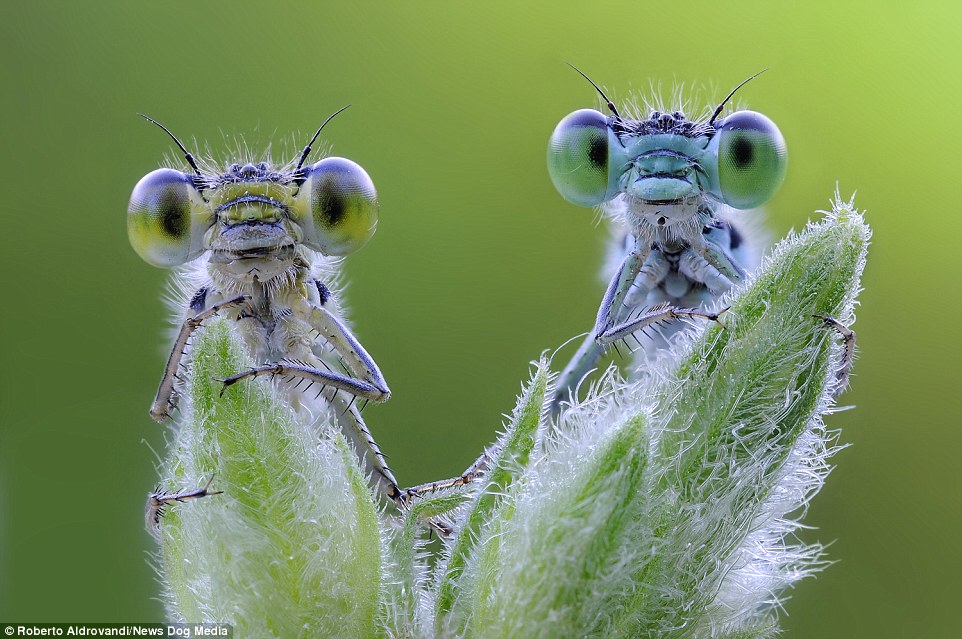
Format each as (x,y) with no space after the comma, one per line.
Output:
(653,316)
(345,383)
(848,354)
(165,399)
(340,337)
(720,258)
(158,501)
(368,382)
(697,269)
(377,461)
(471,474)
(641,269)
(704,262)
(350,416)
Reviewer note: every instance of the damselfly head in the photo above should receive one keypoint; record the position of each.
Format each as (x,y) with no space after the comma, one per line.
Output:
(667,161)
(252,211)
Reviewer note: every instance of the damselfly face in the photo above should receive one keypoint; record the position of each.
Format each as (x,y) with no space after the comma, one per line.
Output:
(252,217)
(667,167)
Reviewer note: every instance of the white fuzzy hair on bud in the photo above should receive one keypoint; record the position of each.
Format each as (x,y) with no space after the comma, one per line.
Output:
(665,507)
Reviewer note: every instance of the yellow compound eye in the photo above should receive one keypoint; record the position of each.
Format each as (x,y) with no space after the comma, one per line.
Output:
(752,159)
(166,218)
(337,207)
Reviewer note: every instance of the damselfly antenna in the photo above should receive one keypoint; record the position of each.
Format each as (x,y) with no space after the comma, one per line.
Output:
(307,149)
(721,106)
(187,154)
(611,105)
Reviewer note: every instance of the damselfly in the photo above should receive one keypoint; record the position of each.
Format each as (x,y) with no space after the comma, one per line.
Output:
(259,244)
(671,183)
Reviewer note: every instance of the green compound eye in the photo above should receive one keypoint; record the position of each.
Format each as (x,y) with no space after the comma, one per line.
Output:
(752,159)
(337,207)
(583,159)
(161,222)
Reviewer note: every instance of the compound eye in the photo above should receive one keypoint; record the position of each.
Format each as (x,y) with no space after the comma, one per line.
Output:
(582,158)
(752,159)
(337,207)
(161,223)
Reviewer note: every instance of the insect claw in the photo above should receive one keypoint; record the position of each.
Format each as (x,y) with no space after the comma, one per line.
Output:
(715,316)
(710,317)
(226,383)
(206,491)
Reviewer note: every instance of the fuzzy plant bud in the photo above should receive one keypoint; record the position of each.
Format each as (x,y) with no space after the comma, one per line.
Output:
(664,507)
(292,547)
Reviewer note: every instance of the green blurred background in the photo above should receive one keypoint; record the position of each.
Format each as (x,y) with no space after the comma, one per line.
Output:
(478,265)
